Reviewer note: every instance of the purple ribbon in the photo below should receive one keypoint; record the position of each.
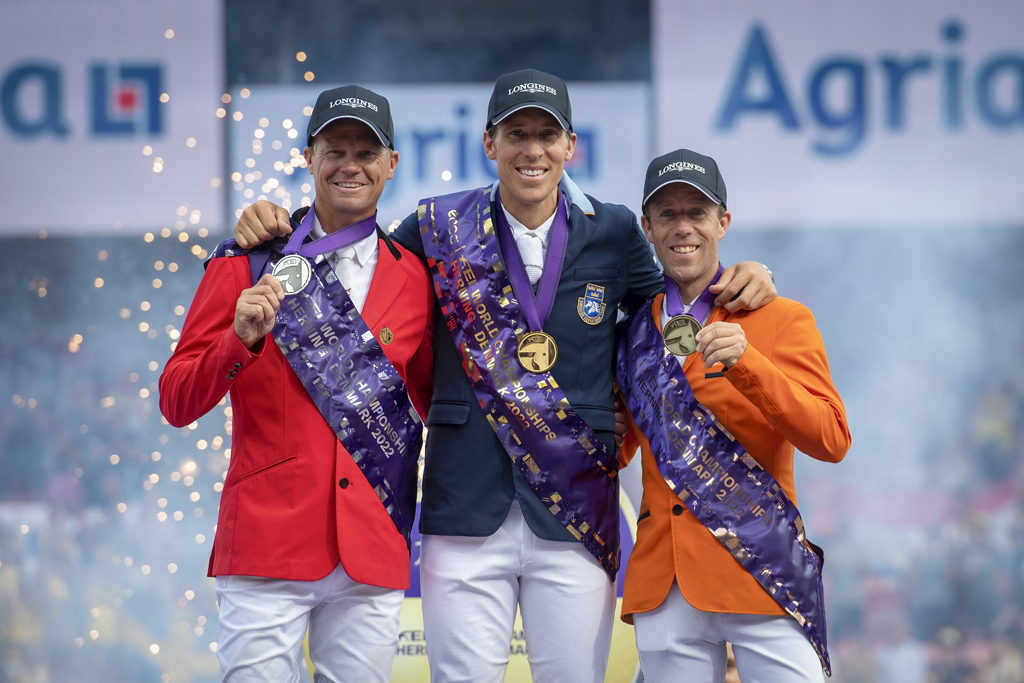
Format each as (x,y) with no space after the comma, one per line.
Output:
(536,307)
(339,239)
(563,461)
(735,498)
(701,307)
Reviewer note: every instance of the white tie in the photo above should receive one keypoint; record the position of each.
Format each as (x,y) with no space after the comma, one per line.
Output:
(532,252)
(346,267)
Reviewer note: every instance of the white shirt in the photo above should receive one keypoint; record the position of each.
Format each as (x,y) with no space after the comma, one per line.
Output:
(355,278)
(543,231)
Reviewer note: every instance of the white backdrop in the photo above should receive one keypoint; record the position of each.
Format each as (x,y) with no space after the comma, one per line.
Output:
(438,132)
(80,87)
(874,113)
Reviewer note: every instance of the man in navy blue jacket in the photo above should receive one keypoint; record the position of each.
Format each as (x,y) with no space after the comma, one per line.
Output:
(489,543)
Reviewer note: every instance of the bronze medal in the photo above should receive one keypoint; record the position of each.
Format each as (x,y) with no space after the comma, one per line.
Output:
(680,334)
(537,352)
(294,273)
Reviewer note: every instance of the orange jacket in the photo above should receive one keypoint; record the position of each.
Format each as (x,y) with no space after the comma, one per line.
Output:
(777,396)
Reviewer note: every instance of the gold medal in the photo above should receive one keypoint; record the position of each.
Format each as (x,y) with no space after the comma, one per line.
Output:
(680,334)
(537,352)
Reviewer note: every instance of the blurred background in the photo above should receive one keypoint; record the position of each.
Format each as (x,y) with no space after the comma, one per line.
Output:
(874,155)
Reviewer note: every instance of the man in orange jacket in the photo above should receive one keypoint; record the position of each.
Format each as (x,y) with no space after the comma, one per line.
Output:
(720,554)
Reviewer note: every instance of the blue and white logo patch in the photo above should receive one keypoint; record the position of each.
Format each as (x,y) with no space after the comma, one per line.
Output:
(591,305)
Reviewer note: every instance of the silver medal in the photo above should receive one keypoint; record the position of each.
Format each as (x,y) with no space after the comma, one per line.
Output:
(294,273)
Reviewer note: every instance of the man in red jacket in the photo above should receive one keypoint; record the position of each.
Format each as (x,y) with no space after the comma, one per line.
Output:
(320,494)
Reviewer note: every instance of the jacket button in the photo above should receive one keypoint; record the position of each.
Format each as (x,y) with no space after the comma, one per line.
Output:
(677,509)
(229,376)
(343,483)
(238,365)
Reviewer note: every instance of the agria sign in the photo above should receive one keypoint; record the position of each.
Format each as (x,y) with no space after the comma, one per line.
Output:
(123,100)
(837,97)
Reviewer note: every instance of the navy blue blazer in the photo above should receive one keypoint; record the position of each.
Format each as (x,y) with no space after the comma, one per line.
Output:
(469,480)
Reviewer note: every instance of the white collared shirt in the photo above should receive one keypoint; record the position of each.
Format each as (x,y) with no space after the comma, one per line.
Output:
(543,231)
(364,262)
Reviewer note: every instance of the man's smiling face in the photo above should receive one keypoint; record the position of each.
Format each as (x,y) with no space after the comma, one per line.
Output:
(350,166)
(530,148)
(684,226)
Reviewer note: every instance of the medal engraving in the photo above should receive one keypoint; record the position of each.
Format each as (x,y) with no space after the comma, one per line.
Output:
(294,273)
(680,334)
(537,352)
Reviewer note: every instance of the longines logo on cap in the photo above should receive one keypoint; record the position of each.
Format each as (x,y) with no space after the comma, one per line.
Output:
(680,166)
(532,88)
(354,102)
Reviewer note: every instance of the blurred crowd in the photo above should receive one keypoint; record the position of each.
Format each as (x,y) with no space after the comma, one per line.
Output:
(948,605)
(107,514)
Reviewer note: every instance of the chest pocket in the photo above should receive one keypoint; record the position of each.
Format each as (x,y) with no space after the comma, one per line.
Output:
(596,274)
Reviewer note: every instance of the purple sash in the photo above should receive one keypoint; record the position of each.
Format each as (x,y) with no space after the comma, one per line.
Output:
(718,481)
(561,458)
(349,379)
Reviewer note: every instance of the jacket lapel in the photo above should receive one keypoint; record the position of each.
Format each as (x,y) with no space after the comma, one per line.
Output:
(581,229)
(387,282)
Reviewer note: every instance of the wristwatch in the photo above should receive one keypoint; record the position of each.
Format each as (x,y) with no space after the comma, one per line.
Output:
(770,273)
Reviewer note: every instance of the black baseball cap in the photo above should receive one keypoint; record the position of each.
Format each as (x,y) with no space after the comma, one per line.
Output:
(530,88)
(685,166)
(352,102)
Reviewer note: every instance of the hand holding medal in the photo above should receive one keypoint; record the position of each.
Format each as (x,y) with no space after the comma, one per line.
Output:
(681,331)
(684,333)
(294,269)
(721,342)
(256,310)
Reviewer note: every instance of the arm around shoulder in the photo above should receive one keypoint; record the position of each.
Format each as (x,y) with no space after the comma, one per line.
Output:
(408,235)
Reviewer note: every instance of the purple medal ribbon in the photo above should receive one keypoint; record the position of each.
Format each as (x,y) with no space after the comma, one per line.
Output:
(536,307)
(339,239)
(736,499)
(701,307)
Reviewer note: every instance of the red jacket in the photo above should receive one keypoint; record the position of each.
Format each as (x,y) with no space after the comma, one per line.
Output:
(287,510)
